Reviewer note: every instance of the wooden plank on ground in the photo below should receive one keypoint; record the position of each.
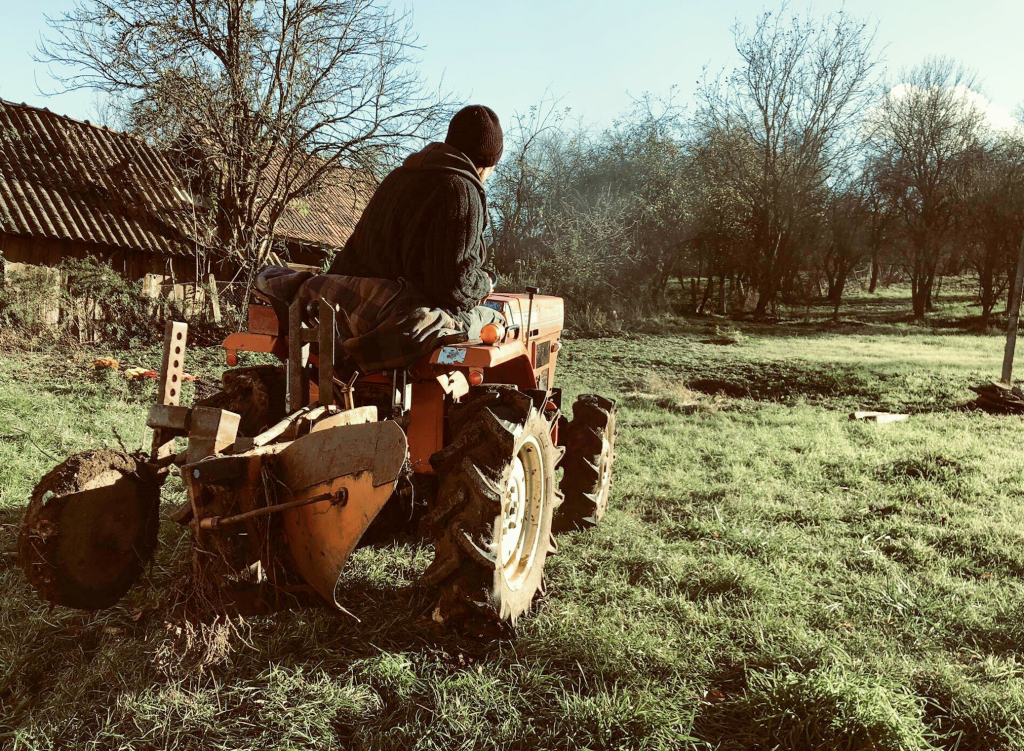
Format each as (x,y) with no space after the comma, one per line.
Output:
(879,417)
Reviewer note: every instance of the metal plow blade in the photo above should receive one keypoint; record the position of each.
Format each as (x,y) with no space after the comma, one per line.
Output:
(353,468)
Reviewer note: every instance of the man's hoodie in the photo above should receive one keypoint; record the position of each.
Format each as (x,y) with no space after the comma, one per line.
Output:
(425,224)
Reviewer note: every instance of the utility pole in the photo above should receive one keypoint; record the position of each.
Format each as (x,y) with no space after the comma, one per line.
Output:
(1014,318)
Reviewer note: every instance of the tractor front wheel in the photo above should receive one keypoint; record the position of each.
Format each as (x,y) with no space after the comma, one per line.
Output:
(587,468)
(491,521)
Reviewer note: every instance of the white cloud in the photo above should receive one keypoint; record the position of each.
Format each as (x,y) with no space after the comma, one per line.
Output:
(998,118)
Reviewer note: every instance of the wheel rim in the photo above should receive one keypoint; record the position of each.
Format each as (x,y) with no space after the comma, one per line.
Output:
(605,470)
(522,513)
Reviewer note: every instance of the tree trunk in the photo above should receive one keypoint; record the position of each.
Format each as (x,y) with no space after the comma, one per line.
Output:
(722,307)
(875,269)
(923,301)
(707,294)
(986,285)
(932,292)
(764,297)
(840,287)
(834,292)
(917,295)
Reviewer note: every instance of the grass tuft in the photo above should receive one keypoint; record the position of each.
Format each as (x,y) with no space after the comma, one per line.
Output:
(829,707)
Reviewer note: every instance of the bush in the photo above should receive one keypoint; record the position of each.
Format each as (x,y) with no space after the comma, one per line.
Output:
(100,300)
(87,299)
(29,300)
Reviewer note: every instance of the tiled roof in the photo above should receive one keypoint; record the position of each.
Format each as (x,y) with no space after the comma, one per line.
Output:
(65,179)
(328,217)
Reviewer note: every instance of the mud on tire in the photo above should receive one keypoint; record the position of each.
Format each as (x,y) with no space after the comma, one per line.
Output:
(90,529)
(590,451)
(256,393)
(491,521)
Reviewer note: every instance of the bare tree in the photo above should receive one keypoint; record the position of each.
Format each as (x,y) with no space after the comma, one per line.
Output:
(529,181)
(643,157)
(880,216)
(800,92)
(924,133)
(992,203)
(267,100)
(718,239)
(844,243)
(602,215)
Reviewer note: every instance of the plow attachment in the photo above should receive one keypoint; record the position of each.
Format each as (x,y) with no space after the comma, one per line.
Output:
(352,469)
(320,492)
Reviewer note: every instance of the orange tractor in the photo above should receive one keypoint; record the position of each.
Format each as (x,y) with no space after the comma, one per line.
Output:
(287,467)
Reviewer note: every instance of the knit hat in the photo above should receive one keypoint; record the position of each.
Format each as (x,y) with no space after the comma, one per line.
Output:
(476,132)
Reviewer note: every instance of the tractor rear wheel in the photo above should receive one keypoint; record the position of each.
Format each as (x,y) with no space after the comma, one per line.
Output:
(587,468)
(491,521)
(256,393)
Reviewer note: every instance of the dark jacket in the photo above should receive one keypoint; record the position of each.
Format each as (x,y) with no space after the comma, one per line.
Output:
(425,224)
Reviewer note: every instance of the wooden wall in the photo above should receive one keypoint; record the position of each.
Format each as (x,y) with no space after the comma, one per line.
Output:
(133,264)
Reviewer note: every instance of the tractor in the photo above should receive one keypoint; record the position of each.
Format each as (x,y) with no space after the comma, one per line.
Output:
(288,467)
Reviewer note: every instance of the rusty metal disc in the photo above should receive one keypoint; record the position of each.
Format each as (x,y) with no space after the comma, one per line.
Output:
(90,529)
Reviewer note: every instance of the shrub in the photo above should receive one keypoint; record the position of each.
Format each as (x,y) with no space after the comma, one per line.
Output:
(88,299)
(99,299)
(29,299)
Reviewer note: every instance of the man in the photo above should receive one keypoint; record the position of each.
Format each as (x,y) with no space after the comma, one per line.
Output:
(425,222)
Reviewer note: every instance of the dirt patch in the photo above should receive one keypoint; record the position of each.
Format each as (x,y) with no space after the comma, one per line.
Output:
(676,396)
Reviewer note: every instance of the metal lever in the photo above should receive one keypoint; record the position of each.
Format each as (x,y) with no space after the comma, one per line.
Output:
(531,291)
(401,393)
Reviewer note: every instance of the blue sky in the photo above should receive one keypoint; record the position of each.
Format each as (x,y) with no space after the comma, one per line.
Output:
(595,55)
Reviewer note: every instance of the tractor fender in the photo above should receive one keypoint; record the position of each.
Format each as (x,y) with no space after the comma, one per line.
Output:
(508,362)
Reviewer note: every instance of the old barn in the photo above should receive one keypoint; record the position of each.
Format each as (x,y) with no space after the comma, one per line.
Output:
(71,189)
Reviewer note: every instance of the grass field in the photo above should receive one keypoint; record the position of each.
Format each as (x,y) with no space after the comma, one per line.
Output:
(771,574)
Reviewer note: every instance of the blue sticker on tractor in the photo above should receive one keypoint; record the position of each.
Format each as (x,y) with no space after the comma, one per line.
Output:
(497,305)
(451,355)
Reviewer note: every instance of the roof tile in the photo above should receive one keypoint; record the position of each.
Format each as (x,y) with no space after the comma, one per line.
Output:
(66,179)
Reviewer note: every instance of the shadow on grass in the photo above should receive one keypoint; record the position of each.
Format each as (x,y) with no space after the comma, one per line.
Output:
(831,706)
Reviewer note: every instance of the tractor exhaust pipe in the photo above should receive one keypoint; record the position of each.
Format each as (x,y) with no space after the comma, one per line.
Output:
(532,291)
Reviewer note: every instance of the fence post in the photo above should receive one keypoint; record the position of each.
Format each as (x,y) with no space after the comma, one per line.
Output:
(214,299)
(1013,319)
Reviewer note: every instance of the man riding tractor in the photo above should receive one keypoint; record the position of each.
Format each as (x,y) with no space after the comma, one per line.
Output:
(413,271)
(405,380)
(426,221)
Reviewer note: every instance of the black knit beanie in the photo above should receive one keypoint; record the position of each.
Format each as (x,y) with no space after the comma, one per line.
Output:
(476,132)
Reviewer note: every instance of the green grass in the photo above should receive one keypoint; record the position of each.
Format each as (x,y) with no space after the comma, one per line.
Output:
(771,574)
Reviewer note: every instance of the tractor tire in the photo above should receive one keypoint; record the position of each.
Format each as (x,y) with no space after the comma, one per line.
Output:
(589,440)
(256,393)
(491,519)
